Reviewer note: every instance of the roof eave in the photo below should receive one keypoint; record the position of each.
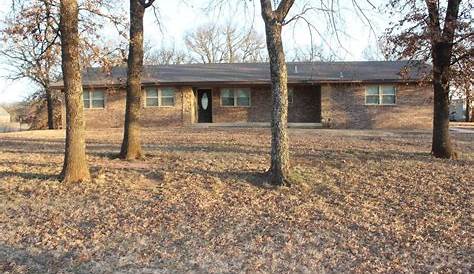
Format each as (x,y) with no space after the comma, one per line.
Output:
(236,83)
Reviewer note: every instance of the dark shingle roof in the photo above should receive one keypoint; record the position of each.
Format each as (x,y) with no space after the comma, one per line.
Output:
(259,73)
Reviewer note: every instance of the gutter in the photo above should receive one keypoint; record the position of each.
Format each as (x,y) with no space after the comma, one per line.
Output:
(243,83)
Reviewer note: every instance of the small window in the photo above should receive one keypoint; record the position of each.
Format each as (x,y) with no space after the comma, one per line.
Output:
(388,95)
(163,97)
(291,96)
(167,97)
(380,95)
(227,98)
(235,97)
(243,97)
(94,99)
(151,99)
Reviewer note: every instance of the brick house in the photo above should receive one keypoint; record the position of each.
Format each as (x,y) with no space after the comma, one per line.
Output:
(333,94)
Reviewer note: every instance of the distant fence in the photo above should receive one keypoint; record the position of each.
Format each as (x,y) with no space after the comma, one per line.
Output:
(11,127)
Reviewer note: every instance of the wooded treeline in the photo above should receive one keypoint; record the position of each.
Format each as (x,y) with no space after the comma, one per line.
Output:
(443,29)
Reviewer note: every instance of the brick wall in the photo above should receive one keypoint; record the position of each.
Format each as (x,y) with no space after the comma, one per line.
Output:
(113,115)
(189,107)
(304,109)
(343,106)
(306,106)
(338,106)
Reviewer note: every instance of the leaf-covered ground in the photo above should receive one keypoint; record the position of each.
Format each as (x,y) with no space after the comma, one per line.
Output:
(362,201)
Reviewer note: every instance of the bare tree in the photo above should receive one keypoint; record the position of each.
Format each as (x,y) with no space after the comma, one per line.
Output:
(213,43)
(75,167)
(274,21)
(311,54)
(275,16)
(205,43)
(441,33)
(131,145)
(33,56)
(165,56)
(31,43)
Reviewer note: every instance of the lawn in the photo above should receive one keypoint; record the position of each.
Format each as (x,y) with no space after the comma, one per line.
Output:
(361,201)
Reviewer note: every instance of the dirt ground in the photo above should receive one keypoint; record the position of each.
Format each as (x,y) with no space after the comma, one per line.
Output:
(361,201)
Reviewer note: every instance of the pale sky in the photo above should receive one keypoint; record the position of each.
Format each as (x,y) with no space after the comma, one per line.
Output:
(178,17)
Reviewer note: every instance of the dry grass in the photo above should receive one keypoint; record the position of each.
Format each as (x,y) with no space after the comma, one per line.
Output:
(363,201)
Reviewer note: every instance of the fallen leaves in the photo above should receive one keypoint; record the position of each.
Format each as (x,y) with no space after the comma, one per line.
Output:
(363,201)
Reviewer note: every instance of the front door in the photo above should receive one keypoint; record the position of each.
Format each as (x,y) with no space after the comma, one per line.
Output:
(204,97)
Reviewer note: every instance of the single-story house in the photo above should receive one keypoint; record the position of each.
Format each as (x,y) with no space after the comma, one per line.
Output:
(4,116)
(375,94)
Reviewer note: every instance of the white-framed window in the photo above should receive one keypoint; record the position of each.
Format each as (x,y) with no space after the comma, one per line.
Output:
(159,97)
(94,98)
(380,95)
(235,97)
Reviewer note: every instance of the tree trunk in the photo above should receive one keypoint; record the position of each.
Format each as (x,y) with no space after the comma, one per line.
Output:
(50,103)
(131,146)
(441,146)
(75,167)
(441,52)
(280,158)
(468,108)
(50,107)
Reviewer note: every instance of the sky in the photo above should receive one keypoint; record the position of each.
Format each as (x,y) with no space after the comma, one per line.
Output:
(180,16)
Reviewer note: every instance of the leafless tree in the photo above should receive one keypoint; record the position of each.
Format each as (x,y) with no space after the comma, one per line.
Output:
(274,19)
(311,54)
(31,47)
(75,167)
(213,43)
(165,56)
(275,14)
(131,144)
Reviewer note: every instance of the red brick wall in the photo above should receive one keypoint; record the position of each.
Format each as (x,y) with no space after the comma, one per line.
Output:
(306,106)
(222,114)
(113,115)
(343,106)
(339,106)
(304,109)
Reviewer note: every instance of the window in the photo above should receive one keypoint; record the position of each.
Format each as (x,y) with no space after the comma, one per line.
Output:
(167,97)
(291,95)
(94,99)
(227,97)
(152,99)
(380,95)
(239,97)
(162,97)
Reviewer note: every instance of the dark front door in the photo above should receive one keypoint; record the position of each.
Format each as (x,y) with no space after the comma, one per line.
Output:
(204,105)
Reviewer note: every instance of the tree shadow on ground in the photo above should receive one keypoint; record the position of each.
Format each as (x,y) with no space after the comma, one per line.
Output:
(29,175)
(15,259)
(111,150)
(258,179)
(30,164)
(366,155)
